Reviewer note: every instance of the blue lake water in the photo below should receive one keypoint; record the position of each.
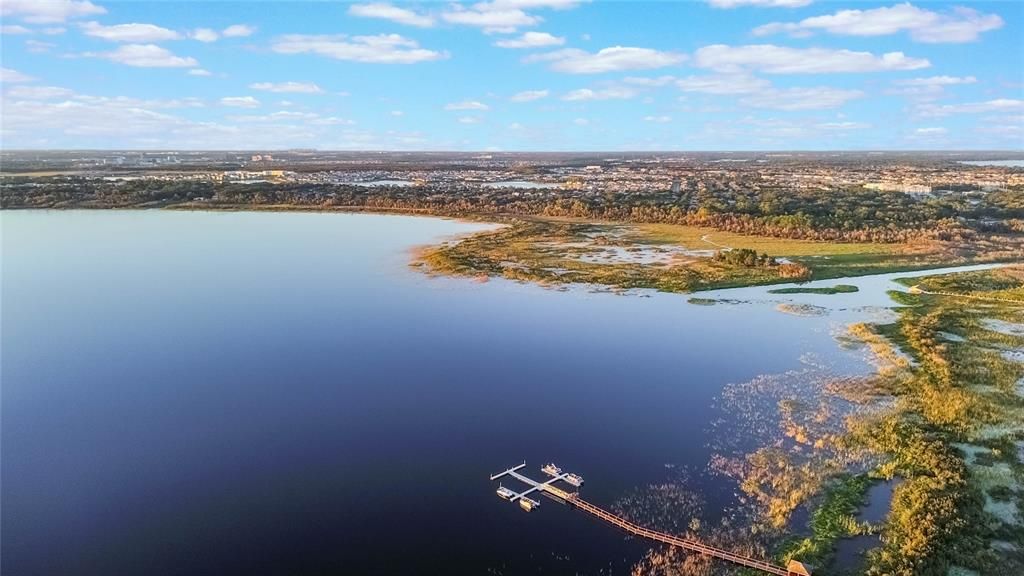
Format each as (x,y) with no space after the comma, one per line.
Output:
(279,393)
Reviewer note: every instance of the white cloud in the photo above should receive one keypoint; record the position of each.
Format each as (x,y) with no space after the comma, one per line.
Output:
(613,59)
(493,20)
(11,76)
(38,47)
(397,113)
(380,49)
(49,11)
(723,84)
(276,117)
(658,119)
(935,130)
(97,122)
(238,31)
(467,105)
(145,56)
(529,4)
(199,72)
(937,81)
(531,40)
(773,59)
(469,120)
(240,102)
(37,92)
(134,32)
(817,98)
(954,26)
(529,95)
(393,13)
(287,87)
(847,125)
(997,105)
(14,29)
(650,82)
(612,93)
(581,122)
(759,3)
(204,35)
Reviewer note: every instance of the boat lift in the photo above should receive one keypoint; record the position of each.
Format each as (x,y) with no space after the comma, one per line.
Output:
(547,487)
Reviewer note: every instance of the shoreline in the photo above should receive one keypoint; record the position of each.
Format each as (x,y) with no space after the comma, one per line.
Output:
(499,221)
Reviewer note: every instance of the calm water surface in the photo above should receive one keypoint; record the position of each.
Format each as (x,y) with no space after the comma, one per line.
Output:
(279,393)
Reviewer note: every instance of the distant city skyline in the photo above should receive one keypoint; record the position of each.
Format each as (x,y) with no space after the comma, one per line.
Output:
(513,75)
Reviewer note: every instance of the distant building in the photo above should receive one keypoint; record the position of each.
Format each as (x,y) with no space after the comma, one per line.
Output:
(677,185)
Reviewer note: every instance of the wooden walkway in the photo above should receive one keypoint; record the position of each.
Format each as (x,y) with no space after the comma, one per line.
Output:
(691,545)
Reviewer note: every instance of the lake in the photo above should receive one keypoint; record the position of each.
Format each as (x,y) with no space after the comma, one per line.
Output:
(524,184)
(239,393)
(1003,163)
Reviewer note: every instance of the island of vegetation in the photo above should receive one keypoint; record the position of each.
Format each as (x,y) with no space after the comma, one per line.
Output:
(837,289)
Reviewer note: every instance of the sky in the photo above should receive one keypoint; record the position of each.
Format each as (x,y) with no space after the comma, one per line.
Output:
(508,75)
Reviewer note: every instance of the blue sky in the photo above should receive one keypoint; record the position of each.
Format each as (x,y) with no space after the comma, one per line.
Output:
(513,75)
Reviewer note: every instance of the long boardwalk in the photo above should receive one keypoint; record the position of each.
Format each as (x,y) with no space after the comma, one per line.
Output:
(794,568)
(691,545)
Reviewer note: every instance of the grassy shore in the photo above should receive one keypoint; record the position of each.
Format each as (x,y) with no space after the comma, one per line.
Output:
(663,257)
(954,431)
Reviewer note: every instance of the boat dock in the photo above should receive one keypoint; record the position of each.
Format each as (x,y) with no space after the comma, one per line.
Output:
(548,488)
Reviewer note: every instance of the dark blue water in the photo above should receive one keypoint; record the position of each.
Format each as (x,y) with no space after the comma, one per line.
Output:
(275,393)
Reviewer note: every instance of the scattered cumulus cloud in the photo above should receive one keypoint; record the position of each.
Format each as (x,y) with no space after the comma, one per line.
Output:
(790,99)
(647,82)
(204,35)
(287,87)
(723,84)
(467,105)
(581,122)
(240,102)
(13,30)
(936,81)
(11,76)
(49,11)
(658,119)
(933,130)
(759,3)
(469,120)
(997,105)
(847,125)
(145,56)
(238,31)
(772,59)
(489,18)
(531,40)
(529,95)
(397,113)
(134,32)
(379,49)
(956,25)
(38,47)
(612,93)
(199,72)
(37,92)
(613,59)
(393,13)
